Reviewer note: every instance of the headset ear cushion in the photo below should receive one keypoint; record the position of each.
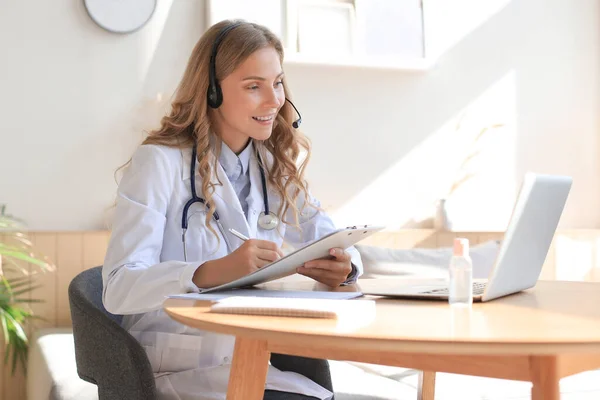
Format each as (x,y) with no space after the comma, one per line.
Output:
(215,96)
(212,96)
(219,96)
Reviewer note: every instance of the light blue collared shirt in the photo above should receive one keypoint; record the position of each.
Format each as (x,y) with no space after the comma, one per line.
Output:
(236,169)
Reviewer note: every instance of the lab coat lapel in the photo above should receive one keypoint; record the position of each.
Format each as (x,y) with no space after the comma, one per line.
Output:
(227,203)
(235,215)
(255,198)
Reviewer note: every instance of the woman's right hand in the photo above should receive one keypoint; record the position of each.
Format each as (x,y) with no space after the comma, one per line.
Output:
(252,255)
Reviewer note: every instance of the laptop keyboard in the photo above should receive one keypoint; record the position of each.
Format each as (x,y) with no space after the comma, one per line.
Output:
(478,288)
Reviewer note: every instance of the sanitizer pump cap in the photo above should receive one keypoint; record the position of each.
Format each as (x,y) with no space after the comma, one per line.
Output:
(461,247)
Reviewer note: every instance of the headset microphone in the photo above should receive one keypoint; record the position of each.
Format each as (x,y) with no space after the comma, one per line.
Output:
(297,122)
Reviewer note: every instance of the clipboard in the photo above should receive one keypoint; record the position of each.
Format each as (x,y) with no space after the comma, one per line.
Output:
(285,266)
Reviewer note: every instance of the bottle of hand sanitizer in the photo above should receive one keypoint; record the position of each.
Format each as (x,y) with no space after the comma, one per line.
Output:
(461,274)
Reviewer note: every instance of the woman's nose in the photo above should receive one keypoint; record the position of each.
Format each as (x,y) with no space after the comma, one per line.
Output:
(272,99)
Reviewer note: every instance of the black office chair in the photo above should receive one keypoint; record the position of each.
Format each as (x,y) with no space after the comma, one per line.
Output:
(106,354)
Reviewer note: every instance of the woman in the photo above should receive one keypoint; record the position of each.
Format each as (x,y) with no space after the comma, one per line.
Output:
(229,139)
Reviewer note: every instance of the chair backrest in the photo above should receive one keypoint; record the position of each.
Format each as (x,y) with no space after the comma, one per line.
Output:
(106,354)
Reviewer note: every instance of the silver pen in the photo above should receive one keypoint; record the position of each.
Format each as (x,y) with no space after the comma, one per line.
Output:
(238,235)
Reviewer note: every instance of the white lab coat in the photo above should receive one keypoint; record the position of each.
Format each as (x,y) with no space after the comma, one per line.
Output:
(144,263)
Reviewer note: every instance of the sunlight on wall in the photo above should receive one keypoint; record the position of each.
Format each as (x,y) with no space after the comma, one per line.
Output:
(448,22)
(151,37)
(153,104)
(485,185)
(577,258)
(469,161)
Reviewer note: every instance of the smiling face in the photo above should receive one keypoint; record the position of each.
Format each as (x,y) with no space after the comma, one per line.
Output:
(252,96)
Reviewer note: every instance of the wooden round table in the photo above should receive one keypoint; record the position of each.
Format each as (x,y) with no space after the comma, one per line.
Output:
(539,335)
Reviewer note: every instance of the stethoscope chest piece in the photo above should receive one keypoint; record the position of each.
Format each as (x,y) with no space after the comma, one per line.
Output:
(268,221)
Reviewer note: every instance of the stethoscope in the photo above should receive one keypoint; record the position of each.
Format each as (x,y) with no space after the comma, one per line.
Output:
(267,219)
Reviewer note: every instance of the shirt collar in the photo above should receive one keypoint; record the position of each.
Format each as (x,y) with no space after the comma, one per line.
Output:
(230,161)
(245,157)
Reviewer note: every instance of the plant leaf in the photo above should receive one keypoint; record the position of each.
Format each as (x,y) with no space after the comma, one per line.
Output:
(4,327)
(18,285)
(23,257)
(20,332)
(26,290)
(28,301)
(15,281)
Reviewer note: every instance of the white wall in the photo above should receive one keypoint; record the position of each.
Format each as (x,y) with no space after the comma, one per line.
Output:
(75,100)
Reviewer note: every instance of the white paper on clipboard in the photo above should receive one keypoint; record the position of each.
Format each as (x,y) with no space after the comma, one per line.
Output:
(285,266)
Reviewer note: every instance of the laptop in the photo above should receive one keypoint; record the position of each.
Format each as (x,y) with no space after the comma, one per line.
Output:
(519,262)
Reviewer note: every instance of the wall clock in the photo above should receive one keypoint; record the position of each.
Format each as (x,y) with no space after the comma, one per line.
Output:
(120,16)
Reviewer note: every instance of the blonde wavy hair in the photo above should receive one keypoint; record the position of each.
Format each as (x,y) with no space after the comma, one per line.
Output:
(190,121)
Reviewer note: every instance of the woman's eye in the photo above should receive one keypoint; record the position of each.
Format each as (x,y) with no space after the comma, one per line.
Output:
(255,87)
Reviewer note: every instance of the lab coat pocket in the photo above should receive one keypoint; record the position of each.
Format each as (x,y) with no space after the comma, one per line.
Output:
(201,243)
(178,352)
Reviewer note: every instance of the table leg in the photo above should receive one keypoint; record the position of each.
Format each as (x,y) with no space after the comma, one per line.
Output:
(426,386)
(248,370)
(545,378)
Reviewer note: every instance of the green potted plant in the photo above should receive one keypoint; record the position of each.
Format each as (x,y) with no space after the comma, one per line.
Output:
(19,266)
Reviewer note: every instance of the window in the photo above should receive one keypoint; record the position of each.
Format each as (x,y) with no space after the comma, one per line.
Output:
(378,33)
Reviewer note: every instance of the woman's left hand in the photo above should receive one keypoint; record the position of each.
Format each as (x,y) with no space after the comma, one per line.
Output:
(332,271)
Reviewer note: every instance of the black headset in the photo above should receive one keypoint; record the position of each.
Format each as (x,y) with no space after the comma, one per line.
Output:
(215,94)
